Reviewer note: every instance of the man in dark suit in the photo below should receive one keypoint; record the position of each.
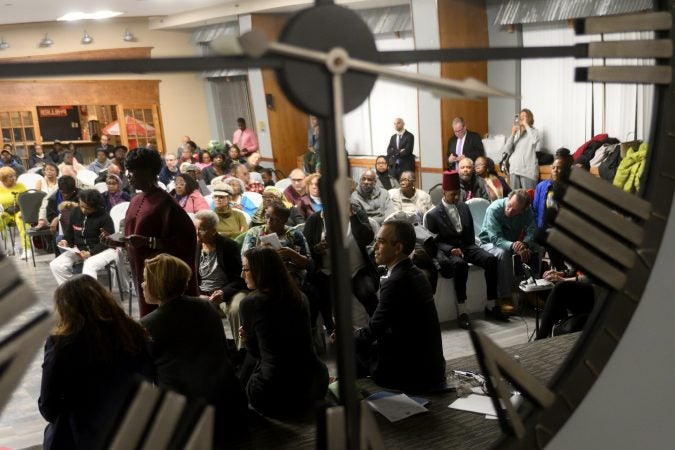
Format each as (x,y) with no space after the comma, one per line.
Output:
(401,346)
(400,150)
(451,221)
(464,143)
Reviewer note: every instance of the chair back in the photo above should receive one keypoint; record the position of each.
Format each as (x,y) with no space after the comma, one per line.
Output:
(255,176)
(436,194)
(101,187)
(283,184)
(86,178)
(29,203)
(478,206)
(117,214)
(30,180)
(162,185)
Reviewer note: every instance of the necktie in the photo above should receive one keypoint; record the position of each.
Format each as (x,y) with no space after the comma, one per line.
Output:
(398,141)
(460,144)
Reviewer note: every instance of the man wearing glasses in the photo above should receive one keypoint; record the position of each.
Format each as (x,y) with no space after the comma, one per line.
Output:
(463,143)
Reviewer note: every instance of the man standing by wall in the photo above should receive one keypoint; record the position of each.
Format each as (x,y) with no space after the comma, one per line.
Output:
(245,138)
(400,150)
(463,144)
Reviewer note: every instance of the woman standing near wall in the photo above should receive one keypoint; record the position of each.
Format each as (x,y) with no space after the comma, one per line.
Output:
(522,145)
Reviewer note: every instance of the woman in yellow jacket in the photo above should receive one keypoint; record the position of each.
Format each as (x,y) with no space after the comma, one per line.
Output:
(9,192)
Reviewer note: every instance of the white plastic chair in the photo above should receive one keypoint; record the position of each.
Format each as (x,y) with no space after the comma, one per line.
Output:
(101,187)
(255,176)
(86,178)
(170,187)
(283,184)
(117,213)
(255,198)
(30,180)
(162,185)
(209,200)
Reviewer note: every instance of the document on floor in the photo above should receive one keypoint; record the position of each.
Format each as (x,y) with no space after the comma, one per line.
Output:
(481,404)
(396,407)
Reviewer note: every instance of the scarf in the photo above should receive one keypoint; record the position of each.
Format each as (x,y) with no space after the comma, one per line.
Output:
(385,180)
(115,198)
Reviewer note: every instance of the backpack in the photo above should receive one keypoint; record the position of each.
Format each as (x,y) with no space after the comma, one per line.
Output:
(610,164)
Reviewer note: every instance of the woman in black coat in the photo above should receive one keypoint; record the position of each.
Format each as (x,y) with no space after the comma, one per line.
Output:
(189,348)
(92,360)
(286,377)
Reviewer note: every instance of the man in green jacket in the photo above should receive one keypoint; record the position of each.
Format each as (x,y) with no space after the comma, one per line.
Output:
(508,230)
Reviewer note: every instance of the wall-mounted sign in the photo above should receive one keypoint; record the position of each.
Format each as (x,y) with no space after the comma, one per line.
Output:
(59,122)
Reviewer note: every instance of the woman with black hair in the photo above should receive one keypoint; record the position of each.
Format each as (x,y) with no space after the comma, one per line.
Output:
(186,193)
(384,180)
(217,168)
(94,356)
(80,243)
(154,223)
(497,186)
(282,375)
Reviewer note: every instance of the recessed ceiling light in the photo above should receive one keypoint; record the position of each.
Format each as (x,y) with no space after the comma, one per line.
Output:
(89,16)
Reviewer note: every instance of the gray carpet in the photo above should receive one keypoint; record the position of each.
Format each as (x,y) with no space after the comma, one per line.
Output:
(441,427)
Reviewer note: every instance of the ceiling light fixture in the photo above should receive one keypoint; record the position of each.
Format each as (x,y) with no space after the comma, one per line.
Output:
(3,45)
(129,36)
(98,15)
(86,39)
(46,41)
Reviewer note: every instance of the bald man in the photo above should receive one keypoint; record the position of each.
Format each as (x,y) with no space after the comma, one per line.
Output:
(400,151)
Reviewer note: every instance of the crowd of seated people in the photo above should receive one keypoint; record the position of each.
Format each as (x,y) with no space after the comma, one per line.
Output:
(271,279)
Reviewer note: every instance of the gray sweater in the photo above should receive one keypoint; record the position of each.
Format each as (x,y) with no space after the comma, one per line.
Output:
(523,148)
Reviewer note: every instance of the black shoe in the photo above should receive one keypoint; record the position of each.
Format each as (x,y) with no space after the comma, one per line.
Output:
(464,321)
(495,313)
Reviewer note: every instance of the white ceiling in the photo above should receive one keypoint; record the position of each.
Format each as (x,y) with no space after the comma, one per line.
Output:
(163,14)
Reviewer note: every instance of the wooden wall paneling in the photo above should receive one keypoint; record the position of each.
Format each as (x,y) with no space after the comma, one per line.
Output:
(463,23)
(86,55)
(287,124)
(159,128)
(17,94)
(124,139)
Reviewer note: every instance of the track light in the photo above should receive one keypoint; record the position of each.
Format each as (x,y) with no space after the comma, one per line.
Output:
(86,39)
(3,45)
(46,41)
(129,37)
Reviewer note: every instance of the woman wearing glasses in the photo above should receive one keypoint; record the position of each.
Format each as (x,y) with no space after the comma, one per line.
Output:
(283,376)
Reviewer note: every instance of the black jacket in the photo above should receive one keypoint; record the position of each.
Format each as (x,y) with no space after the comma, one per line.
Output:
(447,238)
(405,328)
(472,148)
(403,153)
(229,259)
(84,231)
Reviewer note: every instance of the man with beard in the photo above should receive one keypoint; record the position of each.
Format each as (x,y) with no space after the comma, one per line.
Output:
(471,185)
(452,222)
(374,200)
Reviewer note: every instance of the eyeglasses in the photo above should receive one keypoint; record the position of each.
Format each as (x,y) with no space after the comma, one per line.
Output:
(110,182)
(411,180)
(219,197)
(297,180)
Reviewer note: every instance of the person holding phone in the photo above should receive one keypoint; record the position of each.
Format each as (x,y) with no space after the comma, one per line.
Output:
(522,145)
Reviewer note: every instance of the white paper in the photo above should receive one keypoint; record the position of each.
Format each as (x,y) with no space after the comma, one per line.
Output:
(397,407)
(481,404)
(271,239)
(70,249)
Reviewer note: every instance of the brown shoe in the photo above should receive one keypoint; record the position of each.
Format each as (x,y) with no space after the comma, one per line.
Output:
(507,307)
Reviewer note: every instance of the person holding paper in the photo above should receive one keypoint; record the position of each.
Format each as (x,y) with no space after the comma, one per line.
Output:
(81,243)
(289,242)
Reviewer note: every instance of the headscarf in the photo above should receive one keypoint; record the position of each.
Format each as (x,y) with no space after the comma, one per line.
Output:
(259,216)
(116,198)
